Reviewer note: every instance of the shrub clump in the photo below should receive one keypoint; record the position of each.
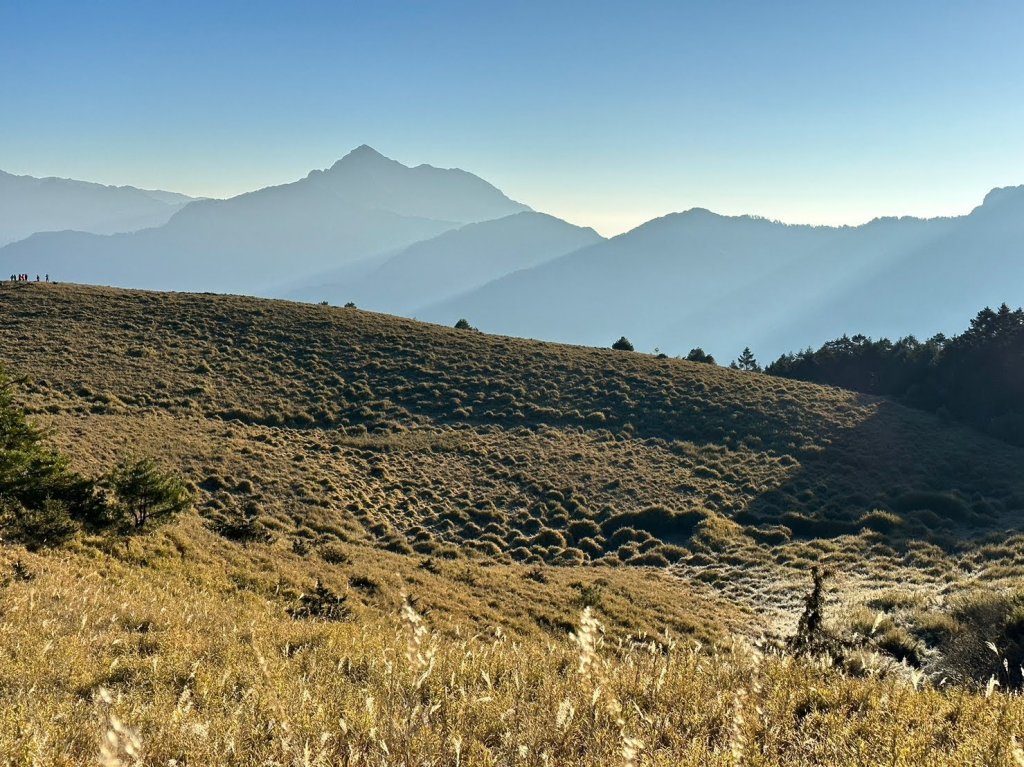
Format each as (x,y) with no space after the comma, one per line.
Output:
(242,525)
(944,504)
(623,345)
(321,604)
(656,520)
(42,501)
(985,639)
(144,494)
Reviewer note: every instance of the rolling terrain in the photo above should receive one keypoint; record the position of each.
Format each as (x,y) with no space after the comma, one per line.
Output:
(430,439)
(443,244)
(499,486)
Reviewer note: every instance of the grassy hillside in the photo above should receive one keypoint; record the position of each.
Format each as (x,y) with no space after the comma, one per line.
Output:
(343,460)
(334,423)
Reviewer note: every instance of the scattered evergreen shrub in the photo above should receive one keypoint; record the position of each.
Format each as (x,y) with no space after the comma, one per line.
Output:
(144,494)
(42,501)
(623,345)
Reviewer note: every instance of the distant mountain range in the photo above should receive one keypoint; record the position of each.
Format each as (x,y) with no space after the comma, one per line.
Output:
(363,206)
(452,263)
(442,245)
(29,205)
(700,279)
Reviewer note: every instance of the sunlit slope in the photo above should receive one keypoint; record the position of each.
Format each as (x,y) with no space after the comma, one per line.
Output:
(428,437)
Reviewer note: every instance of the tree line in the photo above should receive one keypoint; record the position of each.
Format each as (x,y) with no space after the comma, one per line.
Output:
(976,377)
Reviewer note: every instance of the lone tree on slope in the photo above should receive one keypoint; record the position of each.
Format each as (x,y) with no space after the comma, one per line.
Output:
(746,361)
(146,495)
(623,345)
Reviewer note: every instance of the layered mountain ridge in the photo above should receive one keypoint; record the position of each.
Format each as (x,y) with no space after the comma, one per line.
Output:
(29,205)
(450,264)
(363,206)
(443,244)
(721,282)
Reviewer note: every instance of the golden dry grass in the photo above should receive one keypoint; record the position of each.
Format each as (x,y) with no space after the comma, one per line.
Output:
(503,485)
(99,657)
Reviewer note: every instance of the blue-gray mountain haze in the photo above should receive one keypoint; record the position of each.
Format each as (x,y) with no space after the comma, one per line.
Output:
(29,205)
(258,242)
(441,245)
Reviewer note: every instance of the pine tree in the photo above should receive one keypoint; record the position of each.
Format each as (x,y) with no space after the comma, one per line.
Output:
(746,361)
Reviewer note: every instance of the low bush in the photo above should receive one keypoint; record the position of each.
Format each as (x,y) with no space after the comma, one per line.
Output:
(657,520)
(321,604)
(46,524)
(880,521)
(898,643)
(334,553)
(588,594)
(42,501)
(986,639)
(548,537)
(653,558)
(944,504)
(242,525)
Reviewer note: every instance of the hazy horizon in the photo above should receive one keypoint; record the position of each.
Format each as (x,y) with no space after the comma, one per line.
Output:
(603,116)
(973,198)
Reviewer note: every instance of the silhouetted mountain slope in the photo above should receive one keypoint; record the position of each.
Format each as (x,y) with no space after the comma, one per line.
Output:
(364,178)
(978,260)
(727,282)
(451,263)
(29,205)
(637,282)
(363,205)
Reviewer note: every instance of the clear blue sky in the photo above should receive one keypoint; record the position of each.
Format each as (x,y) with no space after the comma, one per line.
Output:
(607,114)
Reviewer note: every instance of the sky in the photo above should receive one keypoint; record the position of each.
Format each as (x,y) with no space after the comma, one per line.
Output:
(605,114)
